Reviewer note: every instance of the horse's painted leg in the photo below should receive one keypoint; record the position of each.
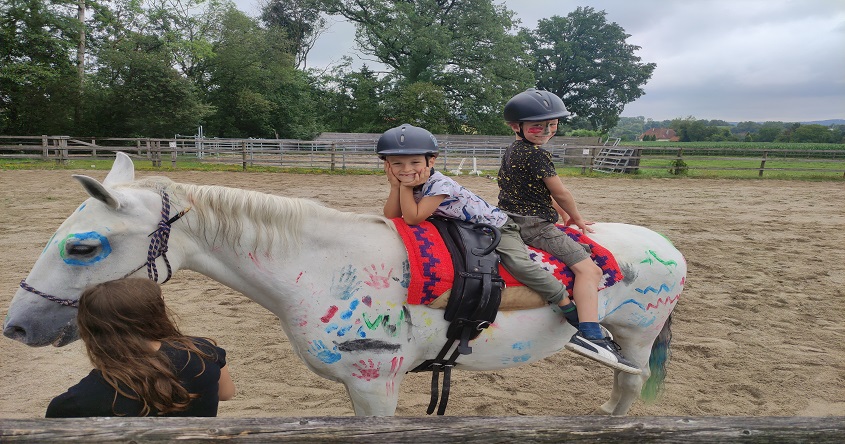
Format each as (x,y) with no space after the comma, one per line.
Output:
(374,398)
(626,390)
(626,387)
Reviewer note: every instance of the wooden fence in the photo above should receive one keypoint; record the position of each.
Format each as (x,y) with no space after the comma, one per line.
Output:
(458,154)
(443,429)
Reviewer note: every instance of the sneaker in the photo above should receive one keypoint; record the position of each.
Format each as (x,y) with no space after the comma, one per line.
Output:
(603,350)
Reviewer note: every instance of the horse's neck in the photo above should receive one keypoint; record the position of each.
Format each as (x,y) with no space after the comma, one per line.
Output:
(275,273)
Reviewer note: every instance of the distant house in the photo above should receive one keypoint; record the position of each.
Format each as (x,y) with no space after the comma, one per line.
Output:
(661,135)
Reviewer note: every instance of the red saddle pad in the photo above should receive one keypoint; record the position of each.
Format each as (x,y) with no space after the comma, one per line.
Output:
(432,272)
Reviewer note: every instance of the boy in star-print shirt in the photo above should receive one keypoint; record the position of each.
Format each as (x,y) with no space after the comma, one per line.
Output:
(533,196)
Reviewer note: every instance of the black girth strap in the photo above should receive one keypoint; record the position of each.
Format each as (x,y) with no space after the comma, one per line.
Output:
(474,299)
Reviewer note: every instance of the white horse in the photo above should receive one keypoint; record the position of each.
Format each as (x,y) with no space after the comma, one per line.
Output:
(336,280)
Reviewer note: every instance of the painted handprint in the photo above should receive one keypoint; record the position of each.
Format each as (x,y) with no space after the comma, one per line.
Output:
(378,278)
(321,352)
(346,284)
(369,370)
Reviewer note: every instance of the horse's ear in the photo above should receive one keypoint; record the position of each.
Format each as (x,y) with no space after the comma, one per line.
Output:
(122,171)
(97,191)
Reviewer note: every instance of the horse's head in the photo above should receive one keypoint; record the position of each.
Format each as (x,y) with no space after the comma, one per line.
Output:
(106,238)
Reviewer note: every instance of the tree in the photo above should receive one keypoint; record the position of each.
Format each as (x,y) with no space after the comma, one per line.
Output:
(39,84)
(187,28)
(813,133)
(353,101)
(692,130)
(769,132)
(138,93)
(254,86)
(301,21)
(584,59)
(466,49)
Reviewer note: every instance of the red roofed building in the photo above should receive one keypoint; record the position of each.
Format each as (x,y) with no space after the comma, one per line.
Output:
(661,135)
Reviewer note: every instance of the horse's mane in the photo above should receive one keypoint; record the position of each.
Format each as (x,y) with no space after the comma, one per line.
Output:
(222,214)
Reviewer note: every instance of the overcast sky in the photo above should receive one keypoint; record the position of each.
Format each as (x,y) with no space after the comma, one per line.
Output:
(733,60)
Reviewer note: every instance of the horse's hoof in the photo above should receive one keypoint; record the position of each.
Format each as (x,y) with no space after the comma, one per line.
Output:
(601,411)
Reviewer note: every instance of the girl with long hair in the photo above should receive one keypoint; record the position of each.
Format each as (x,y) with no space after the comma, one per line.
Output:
(143,364)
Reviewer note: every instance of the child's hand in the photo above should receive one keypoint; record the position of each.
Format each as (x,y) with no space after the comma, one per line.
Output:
(419,179)
(391,178)
(580,223)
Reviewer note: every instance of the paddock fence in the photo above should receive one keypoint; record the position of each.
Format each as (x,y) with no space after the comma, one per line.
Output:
(417,430)
(458,154)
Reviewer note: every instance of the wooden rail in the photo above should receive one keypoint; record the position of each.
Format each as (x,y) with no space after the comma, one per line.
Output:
(463,154)
(444,429)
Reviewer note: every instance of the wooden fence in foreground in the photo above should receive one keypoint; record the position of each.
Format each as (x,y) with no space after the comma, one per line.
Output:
(458,154)
(443,429)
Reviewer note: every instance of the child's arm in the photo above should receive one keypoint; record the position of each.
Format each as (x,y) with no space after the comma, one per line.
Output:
(391,205)
(226,387)
(412,212)
(566,201)
(560,211)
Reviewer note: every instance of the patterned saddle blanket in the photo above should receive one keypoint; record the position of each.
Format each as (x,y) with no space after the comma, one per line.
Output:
(432,271)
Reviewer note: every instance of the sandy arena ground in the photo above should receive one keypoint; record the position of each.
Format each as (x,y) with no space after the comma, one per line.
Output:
(758,331)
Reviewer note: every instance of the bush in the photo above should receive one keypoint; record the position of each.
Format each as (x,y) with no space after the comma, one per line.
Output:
(678,167)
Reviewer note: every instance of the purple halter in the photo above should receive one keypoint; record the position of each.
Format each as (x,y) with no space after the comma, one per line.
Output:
(158,248)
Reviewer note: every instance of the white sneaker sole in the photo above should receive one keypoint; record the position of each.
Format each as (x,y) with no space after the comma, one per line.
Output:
(599,358)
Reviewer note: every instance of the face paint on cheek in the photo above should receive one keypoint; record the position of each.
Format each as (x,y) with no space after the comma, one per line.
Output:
(535,129)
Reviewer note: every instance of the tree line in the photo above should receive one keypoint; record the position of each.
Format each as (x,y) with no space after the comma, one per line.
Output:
(157,68)
(690,129)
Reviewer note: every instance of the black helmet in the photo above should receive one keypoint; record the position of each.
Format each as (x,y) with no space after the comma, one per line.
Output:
(534,105)
(406,139)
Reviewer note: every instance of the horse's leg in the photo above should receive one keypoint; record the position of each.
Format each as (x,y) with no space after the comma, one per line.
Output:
(626,387)
(378,397)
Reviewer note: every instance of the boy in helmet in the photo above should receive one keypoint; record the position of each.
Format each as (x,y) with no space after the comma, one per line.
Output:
(417,191)
(533,195)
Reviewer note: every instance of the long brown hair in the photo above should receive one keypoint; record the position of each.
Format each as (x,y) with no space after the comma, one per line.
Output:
(117,320)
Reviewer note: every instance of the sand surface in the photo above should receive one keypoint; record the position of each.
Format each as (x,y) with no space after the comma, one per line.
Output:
(759,330)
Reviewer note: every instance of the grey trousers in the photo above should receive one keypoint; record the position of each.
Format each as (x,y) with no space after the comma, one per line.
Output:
(514,256)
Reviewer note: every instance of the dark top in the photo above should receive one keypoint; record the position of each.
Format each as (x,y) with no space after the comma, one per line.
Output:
(521,187)
(93,396)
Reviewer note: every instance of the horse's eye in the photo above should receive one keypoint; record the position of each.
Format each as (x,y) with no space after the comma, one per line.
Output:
(84,248)
(81,249)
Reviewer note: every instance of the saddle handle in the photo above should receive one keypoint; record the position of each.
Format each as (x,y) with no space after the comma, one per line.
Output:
(497,236)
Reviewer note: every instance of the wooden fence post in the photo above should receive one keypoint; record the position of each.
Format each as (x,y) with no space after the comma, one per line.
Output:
(94,148)
(45,147)
(173,149)
(63,151)
(331,163)
(763,163)
(243,155)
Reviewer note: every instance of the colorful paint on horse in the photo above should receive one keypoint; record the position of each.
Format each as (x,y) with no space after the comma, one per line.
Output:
(395,365)
(346,284)
(662,289)
(321,352)
(304,291)
(406,274)
(378,279)
(652,254)
(329,314)
(367,370)
(348,313)
(80,238)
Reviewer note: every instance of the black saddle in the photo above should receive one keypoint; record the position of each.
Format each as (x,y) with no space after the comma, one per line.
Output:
(474,299)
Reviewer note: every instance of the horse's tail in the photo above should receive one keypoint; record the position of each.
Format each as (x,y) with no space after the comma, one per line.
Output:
(657,362)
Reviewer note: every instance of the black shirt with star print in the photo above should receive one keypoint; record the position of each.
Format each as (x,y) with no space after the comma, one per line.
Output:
(521,187)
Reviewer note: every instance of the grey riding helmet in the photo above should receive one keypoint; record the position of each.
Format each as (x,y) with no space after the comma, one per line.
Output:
(534,105)
(405,140)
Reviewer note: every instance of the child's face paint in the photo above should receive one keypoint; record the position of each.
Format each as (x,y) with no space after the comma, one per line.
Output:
(539,133)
